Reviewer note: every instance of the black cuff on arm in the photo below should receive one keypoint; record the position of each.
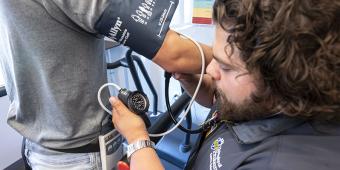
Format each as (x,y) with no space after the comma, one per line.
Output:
(138,24)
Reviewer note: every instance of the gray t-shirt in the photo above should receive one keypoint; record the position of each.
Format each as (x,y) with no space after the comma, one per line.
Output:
(52,58)
(53,63)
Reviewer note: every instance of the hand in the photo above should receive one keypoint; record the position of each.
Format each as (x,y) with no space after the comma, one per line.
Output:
(130,125)
(182,76)
(189,83)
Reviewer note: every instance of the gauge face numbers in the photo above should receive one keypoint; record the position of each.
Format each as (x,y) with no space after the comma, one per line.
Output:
(139,102)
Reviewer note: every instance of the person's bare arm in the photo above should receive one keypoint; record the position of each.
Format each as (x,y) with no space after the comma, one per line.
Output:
(181,55)
(132,127)
(145,158)
(189,83)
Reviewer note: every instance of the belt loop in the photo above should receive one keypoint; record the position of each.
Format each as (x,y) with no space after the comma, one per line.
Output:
(24,158)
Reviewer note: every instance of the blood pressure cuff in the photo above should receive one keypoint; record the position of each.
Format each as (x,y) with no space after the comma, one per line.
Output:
(138,24)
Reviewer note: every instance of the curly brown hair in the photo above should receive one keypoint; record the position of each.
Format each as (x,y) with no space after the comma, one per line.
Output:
(294,46)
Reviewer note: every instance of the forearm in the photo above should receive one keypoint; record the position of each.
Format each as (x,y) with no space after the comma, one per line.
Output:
(179,54)
(205,94)
(145,158)
(132,127)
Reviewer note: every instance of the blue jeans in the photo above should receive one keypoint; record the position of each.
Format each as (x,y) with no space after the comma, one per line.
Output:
(40,158)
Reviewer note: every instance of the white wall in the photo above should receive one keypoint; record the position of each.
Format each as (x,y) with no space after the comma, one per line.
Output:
(10,144)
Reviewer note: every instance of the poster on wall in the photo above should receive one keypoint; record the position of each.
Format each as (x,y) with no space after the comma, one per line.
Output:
(202,13)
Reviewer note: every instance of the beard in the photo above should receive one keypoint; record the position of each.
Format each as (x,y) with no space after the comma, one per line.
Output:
(246,111)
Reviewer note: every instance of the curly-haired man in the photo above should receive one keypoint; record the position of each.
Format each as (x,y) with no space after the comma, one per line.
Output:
(275,81)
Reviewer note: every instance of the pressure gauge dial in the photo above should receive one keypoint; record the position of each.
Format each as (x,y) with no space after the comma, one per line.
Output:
(137,102)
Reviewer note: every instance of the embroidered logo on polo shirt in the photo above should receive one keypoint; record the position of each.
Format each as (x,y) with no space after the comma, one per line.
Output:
(215,155)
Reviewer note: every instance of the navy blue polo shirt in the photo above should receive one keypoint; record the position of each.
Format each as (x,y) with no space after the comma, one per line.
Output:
(275,143)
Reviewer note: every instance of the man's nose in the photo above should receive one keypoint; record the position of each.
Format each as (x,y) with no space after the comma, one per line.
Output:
(213,70)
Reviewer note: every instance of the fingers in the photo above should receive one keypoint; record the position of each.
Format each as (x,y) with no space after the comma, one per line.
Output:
(117,106)
(180,76)
(118,109)
(176,76)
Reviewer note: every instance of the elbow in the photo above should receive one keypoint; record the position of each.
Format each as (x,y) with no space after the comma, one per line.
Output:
(169,56)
